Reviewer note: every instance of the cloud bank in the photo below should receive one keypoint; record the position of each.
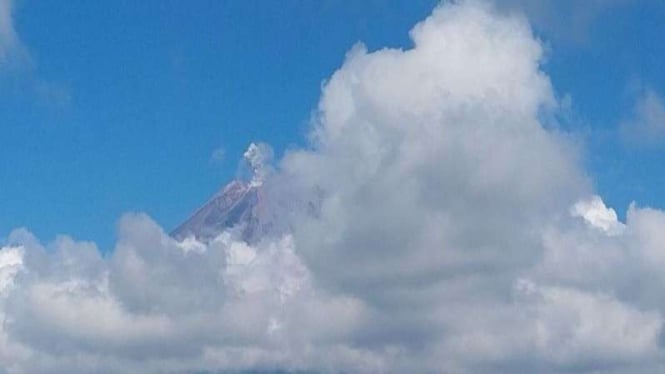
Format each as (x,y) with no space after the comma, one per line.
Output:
(434,224)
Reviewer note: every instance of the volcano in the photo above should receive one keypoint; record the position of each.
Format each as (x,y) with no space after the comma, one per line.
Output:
(238,206)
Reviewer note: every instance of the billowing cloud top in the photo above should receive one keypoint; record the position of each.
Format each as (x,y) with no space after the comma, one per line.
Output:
(433,225)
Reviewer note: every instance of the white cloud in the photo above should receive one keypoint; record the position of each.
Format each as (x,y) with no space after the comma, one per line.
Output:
(598,215)
(430,158)
(155,304)
(10,46)
(580,16)
(15,58)
(218,155)
(258,158)
(646,127)
(574,327)
(432,225)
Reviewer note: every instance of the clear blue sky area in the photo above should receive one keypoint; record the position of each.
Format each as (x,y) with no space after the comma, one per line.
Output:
(121,106)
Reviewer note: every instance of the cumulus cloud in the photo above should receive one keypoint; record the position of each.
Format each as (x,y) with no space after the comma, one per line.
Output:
(432,225)
(431,157)
(161,305)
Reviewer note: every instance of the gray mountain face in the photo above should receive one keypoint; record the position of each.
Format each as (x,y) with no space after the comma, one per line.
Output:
(239,206)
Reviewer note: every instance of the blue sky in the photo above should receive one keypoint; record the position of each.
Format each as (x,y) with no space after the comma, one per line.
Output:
(119,106)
